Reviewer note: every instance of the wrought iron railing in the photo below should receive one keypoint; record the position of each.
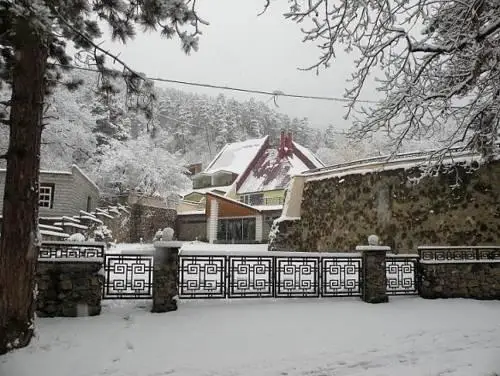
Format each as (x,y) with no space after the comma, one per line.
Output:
(64,249)
(128,277)
(273,200)
(402,276)
(269,275)
(462,253)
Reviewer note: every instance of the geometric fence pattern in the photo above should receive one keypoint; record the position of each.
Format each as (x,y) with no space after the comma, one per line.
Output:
(246,276)
(128,277)
(429,253)
(58,250)
(401,275)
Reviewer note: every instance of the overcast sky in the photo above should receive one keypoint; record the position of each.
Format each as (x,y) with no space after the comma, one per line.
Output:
(242,49)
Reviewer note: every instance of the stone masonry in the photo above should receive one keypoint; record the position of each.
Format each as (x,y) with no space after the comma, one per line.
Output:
(338,213)
(165,276)
(374,276)
(145,221)
(69,288)
(473,280)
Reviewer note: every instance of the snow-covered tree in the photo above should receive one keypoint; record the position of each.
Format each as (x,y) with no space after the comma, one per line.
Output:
(140,165)
(34,35)
(437,63)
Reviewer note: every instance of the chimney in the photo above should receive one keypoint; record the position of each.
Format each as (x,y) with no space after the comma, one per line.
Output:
(281,147)
(289,143)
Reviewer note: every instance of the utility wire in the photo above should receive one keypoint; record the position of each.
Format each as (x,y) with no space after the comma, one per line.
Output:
(275,94)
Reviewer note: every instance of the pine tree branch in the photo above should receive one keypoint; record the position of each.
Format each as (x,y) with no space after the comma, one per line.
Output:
(97,46)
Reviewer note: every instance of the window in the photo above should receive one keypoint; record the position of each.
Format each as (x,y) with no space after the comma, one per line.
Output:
(252,199)
(46,196)
(236,230)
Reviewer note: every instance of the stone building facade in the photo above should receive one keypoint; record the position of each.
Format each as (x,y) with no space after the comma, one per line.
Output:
(457,206)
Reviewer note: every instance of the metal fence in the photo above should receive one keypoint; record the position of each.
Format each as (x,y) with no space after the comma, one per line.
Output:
(402,276)
(459,253)
(268,276)
(128,277)
(63,249)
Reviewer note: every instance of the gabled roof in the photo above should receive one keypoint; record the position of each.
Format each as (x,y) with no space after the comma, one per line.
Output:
(74,170)
(235,157)
(231,202)
(270,172)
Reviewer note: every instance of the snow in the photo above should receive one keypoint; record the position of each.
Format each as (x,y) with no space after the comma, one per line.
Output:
(48,227)
(222,188)
(268,207)
(485,261)
(271,172)
(402,255)
(235,157)
(104,214)
(373,248)
(209,248)
(249,250)
(124,248)
(72,219)
(70,224)
(233,201)
(73,259)
(86,214)
(192,212)
(457,247)
(314,337)
(308,154)
(54,233)
(74,168)
(92,218)
(383,164)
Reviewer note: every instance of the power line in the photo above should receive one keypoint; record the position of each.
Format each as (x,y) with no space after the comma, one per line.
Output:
(276,93)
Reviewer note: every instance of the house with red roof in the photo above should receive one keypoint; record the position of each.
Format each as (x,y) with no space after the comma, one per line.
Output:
(238,195)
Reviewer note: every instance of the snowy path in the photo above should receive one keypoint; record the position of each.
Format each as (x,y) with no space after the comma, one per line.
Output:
(408,336)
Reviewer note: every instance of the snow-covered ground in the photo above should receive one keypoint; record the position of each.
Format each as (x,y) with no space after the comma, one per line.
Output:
(194,246)
(310,337)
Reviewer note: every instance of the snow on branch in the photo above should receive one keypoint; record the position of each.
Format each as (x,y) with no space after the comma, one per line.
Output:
(436,62)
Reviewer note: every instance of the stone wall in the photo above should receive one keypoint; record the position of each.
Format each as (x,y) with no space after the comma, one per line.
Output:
(69,288)
(285,236)
(119,225)
(191,227)
(474,280)
(147,220)
(340,212)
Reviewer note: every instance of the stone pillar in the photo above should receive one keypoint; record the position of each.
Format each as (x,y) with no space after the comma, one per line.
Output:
(68,288)
(165,276)
(374,274)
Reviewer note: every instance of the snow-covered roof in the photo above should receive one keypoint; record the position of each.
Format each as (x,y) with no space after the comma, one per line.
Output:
(270,172)
(236,157)
(385,163)
(309,155)
(268,207)
(239,203)
(223,188)
(74,168)
(192,212)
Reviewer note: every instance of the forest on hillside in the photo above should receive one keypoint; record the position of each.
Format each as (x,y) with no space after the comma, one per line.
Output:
(122,150)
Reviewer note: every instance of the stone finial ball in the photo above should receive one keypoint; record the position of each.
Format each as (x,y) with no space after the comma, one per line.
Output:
(373,240)
(167,234)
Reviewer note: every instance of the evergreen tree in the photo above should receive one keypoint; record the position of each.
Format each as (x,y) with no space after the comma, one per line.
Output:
(33,37)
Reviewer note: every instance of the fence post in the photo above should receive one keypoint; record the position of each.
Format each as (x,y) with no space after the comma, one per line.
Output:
(165,276)
(374,273)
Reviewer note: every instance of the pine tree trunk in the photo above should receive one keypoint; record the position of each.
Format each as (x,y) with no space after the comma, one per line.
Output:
(18,243)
